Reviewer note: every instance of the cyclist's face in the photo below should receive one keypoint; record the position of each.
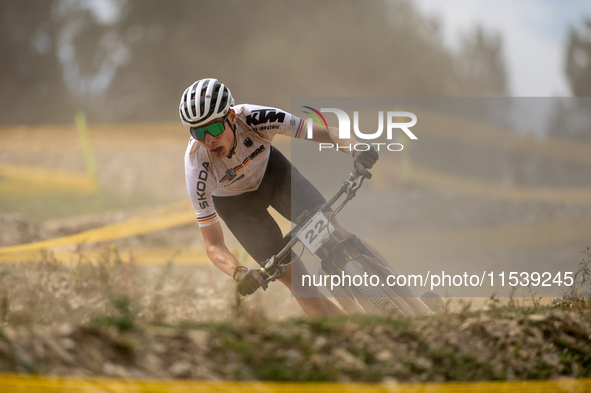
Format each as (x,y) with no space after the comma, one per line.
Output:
(220,145)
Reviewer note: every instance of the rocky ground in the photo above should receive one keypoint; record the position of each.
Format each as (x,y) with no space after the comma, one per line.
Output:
(503,343)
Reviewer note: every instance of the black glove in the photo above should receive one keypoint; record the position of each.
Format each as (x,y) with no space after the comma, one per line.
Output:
(249,280)
(364,160)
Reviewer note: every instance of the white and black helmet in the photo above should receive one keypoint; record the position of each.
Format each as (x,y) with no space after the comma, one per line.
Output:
(214,99)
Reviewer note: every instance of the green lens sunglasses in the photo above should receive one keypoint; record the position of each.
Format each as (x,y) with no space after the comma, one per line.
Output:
(213,129)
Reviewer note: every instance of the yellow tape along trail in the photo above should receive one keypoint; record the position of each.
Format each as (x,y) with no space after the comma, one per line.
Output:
(18,181)
(42,384)
(179,213)
(462,130)
(433,178)
(173,215)
(169,216)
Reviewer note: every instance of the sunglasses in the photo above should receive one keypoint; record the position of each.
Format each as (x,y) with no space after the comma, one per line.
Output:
(213,129)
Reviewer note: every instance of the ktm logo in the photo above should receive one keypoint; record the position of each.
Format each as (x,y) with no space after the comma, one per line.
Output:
(262,116)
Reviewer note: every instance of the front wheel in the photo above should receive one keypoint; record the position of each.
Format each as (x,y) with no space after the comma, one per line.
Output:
(433,301)
(374,295)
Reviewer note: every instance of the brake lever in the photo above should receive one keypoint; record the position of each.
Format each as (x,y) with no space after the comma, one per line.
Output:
(355,180)
(269,267)
(358,184)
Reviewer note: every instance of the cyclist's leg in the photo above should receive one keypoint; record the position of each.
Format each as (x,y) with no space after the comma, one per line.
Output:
(249,221)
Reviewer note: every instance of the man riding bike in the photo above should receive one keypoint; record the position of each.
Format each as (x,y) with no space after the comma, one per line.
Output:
(231,164)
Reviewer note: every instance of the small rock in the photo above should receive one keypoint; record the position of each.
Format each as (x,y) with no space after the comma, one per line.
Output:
(57,349)
(68,343)
(293,355)
(552,360)
(424,363)
(150,362)
(384,355)
(568,339)
(200,338)
(320,342)
(390,381)
(537,318)
(347,358)
(180,369)
(115,370)
(159,348)
(467,324)
(65,329)
(10,333)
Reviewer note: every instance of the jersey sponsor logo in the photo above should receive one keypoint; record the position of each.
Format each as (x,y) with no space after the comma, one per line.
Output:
(267,128)
(258,151)
(261,116)
(232,172)
(201,186)
(248,142)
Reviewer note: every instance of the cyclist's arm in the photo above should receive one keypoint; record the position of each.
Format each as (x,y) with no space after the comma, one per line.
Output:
(216,249)
(331,135)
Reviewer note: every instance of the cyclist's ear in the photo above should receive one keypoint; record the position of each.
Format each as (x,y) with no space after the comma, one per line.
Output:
(232,116)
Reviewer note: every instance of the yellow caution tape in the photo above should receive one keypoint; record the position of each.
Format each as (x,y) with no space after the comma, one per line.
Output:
(454,183)
(136,135)
(179,213)
(16,181)
(494,238)
(173,215)
(53,384)
(462,130)
(137,256)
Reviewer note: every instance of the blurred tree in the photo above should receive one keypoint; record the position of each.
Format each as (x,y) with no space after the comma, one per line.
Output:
(578,59)
(480,61)
(30,74)
(134,67)
(570,117)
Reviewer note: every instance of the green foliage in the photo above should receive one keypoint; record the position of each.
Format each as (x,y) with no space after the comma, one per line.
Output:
(122,316)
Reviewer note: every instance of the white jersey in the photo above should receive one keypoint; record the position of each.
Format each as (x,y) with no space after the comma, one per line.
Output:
(206,175)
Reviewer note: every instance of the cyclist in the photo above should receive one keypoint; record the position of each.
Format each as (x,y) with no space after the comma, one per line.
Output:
(231,169)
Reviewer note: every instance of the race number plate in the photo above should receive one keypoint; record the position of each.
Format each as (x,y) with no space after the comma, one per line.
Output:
(314,234)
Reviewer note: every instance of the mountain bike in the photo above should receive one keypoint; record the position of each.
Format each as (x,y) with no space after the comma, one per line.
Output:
(348,257)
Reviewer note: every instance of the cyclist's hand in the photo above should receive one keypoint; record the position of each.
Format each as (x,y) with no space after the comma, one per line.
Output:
(249,280)
(364,160)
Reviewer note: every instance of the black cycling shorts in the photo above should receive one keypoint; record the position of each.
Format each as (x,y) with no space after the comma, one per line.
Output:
(246,214)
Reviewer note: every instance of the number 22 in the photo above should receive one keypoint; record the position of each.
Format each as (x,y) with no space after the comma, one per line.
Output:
(311,235)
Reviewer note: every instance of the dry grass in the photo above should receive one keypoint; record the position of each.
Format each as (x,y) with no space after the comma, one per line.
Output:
(49,292)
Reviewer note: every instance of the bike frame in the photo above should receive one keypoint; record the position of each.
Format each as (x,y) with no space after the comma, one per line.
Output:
(349,187)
